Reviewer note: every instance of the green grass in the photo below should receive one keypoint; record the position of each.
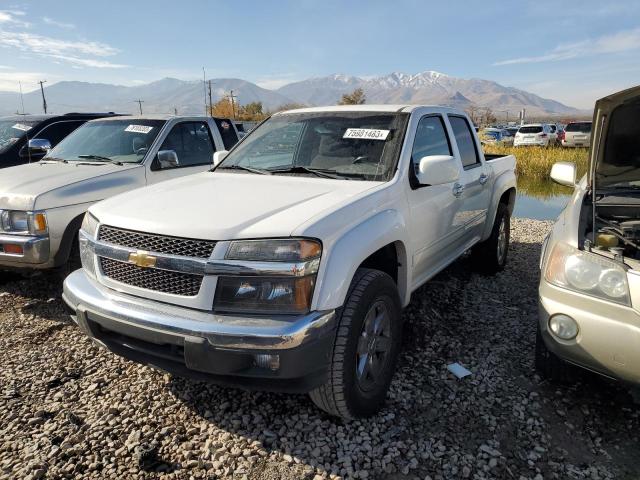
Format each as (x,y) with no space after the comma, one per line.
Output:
(536,162)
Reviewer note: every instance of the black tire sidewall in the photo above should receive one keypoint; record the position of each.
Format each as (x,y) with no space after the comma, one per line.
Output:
(502,215)
(381,287)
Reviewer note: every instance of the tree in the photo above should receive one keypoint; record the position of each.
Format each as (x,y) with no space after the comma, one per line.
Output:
(357,97)
(289,106)
(223,108)
(251,112)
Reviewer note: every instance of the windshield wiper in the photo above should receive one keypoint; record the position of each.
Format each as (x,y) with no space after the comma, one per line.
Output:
(101,159)
(246,169)
(54,159)
(315,171)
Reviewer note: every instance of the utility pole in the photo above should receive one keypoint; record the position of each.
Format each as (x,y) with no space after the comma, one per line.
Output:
(233,105)
(175,111)
(139,102)
(210,101)
(204,89)
(44,101)
(21,97)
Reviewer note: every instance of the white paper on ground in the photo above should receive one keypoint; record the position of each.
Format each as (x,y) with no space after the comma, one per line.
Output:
(458,370)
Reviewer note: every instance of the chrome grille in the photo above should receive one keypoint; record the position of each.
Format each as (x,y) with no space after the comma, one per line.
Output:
(176,283)
(151,242)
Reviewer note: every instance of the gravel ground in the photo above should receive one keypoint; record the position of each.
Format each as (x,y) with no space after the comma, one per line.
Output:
(71,410)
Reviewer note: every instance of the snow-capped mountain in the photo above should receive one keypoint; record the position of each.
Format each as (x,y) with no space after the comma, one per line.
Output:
(163,96)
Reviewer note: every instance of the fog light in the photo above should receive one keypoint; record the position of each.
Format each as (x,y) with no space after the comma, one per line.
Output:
(272,362)
(563,326)
(13,249)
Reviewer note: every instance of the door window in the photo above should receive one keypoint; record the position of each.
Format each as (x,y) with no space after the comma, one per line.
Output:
(192,143)
(228,134)
(431,139)
(57,131)
(465,140)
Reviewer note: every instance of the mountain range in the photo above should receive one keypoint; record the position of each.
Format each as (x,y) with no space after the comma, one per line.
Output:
(170,94)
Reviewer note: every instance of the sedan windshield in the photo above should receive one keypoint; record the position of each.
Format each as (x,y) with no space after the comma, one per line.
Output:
(343,145)
(12,130)
(118,141)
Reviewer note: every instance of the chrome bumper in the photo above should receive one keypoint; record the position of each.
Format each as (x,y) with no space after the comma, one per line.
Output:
(35,250)
(146,319)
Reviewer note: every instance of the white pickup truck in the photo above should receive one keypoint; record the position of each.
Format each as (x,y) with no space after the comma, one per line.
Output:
(287,267)
(42,204)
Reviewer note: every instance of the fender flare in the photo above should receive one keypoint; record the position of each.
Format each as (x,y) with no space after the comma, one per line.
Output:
(350,250)
(68,237)
(501,185)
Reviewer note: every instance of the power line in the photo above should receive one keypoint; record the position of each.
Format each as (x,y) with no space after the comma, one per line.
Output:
(44,100)
(139,102)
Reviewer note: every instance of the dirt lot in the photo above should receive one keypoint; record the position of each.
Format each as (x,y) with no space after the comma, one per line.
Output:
(71,410)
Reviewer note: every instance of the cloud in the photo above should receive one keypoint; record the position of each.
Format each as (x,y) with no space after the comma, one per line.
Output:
(76,53)
(55,23)
(9,80)
(623,41)
(11,17)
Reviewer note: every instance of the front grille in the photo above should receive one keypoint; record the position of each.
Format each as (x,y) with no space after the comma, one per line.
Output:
(151,242)
(176,283)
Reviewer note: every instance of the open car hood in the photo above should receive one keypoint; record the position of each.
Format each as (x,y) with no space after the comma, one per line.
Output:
(615,143)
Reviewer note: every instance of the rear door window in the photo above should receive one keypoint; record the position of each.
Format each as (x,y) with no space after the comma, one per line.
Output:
(581,127)
(465,140)
(227,132)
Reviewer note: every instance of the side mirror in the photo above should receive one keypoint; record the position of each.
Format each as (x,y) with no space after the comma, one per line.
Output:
(168,159)
(36,147)
(564,173)
(219,156)
(438,170)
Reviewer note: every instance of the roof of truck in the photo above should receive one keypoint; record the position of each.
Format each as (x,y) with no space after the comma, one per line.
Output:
(368,108)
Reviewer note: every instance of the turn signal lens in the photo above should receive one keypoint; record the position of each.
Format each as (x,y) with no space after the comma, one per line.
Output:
(39,222)
(13,249)
(276,250)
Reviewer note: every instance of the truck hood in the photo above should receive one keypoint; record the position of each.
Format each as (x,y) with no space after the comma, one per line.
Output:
(21,187)
(223,206)
(615,143)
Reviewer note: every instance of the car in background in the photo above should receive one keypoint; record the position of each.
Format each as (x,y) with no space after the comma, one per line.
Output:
(512,131)
(534,134)
(553,134)
(495,136)
(589,290)
(577,134)
(28,138)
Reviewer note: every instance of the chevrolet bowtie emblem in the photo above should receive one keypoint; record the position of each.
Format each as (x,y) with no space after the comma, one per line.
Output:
(142,259)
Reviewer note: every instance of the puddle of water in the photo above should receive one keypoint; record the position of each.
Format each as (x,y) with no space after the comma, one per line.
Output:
(540,199)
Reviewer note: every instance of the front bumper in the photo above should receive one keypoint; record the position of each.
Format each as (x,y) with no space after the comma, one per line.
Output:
(608,341)
(204,345)
(35,251)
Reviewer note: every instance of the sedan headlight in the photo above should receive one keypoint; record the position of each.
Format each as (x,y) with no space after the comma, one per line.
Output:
(282,280)
(587,273)
(25,223)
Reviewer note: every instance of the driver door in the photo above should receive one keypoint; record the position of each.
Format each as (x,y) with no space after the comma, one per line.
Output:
(194,148)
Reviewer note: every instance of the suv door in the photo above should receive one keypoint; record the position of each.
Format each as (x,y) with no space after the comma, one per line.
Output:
(433,208)
(194,147)
(473,186)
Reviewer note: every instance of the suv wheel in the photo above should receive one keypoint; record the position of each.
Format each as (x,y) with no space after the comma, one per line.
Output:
(490,256)
(366,349)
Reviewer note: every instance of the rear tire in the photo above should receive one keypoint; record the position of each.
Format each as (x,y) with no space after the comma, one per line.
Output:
(548,364)
(366,348)
(490,256)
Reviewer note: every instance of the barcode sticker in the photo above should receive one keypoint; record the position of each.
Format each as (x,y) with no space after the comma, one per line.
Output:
(21,126)
(366,133)
(138,129)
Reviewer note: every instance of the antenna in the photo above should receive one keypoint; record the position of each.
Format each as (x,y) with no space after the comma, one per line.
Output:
(44,100)
(139,102)
(21,97)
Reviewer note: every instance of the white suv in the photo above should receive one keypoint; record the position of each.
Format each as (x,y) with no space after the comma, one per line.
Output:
(537,134)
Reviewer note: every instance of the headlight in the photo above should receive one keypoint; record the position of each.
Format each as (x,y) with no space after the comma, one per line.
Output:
(15,221)
(587,273)
(89,225)
(87,257)
(270,293)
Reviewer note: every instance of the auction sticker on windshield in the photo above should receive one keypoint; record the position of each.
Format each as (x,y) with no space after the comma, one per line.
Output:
(138,129)
(366,133)
(21,126)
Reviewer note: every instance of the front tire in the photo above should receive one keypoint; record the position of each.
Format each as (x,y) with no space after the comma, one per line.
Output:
(366,349)
(490,256)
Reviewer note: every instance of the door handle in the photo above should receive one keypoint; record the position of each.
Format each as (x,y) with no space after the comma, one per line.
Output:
(458,188)
(483,178)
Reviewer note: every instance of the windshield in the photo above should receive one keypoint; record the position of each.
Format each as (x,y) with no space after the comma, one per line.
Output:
(125,141)
(582,127)
(531,129)
(346,145)
(12,130)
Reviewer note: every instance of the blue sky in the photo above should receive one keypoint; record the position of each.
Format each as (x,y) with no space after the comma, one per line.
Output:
(573,52)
